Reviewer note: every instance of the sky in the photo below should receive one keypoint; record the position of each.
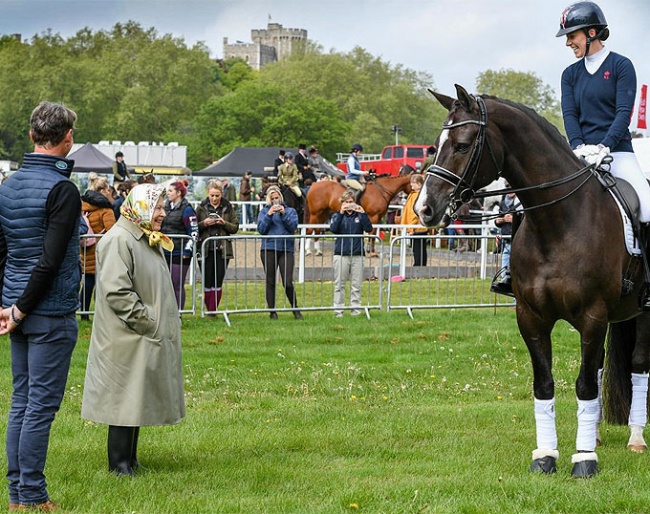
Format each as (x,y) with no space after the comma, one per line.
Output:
(451,40)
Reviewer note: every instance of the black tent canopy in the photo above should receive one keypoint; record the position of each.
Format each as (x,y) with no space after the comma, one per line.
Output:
(241,160)
(88,158)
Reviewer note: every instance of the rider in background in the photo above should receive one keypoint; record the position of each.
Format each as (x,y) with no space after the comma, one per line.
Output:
(355,178)
(288,175)
(598,95)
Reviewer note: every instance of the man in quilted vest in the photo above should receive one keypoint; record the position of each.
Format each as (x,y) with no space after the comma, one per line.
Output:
(40,209)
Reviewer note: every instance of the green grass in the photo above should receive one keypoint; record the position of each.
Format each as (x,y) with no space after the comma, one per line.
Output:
(386,415)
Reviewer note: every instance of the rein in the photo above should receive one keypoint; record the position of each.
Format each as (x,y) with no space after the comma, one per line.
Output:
(463,190)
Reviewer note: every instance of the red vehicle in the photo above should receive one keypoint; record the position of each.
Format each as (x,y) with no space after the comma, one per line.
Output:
(390,160)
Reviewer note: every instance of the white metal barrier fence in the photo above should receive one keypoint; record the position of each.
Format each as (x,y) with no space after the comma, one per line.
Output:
(451,279)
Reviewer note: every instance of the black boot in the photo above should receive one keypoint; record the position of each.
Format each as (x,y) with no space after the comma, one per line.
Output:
(120,448)
(134,449)
(644,299)
(502,283)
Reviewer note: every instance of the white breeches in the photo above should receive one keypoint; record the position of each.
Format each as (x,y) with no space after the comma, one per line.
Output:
(626,166)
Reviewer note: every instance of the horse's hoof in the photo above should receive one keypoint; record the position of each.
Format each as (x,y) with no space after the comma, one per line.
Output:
(307,253)
(636,448)
(319,254)
(585,465)
(544,465)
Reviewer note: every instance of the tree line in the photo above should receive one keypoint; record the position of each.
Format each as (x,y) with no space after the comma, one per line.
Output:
(130,83)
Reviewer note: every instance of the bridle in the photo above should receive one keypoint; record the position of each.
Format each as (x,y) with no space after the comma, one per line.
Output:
(464,184)
(464,192)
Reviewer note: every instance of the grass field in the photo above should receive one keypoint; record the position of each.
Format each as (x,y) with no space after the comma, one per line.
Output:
(387,415)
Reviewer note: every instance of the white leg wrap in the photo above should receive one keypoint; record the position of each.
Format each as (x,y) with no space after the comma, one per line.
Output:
(545,422)
(638,412)
(600,394)
(308,243)
(588,415)
(318,248)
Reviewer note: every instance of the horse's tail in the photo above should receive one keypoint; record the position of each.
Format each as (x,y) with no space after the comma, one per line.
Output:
(617,384)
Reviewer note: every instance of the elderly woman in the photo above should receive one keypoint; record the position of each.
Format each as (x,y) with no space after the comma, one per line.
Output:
(278,219)
(217,217)
(134,376)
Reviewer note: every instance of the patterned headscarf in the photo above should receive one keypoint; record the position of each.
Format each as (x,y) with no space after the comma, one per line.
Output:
(138,209)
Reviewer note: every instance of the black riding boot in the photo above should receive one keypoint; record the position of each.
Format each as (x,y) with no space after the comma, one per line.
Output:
(120,450)
(644,300)
(502,283)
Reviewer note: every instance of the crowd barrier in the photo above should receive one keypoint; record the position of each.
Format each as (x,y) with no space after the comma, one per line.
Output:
(451,279)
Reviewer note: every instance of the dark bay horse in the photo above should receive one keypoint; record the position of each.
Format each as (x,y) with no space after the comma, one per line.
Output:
(323,199)
(568,261)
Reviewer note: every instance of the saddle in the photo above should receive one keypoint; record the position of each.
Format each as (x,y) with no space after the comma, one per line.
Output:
(629,207)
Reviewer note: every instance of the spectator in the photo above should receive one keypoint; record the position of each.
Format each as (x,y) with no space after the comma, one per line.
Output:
(246,191)
(134,374)
(508,207)
(410,217)
(120,171)
(279,160)
(96,204)
(348,252)
(355,177)
(429,159)
(229,192)
(302,163)
(217,217)
(123,190)
(180,220)
(40,294)
(314,166)
(278,219)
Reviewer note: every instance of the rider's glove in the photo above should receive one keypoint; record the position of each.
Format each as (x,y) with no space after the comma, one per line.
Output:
(592,154)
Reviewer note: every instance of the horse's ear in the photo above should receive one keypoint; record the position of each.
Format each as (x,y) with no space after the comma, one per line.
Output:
(445,101)
(464,98)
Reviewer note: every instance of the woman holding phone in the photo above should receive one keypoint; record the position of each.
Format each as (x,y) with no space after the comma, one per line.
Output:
(217,217)
(278,219)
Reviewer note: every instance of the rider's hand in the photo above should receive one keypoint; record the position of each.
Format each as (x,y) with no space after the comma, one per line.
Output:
(596,154)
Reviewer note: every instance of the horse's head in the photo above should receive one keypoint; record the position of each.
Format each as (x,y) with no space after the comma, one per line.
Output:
(459,167)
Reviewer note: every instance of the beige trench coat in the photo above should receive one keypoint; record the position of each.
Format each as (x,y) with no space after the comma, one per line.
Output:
(134,375)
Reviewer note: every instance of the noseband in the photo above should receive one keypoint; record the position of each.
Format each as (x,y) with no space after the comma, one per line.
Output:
(464,185)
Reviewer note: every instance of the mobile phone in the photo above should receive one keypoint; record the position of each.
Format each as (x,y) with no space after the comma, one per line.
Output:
(214,215)
(276,202)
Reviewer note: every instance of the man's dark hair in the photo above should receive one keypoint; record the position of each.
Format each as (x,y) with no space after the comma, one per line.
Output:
(50,123)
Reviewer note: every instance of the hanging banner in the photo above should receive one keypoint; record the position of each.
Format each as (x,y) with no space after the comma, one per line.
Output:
(641,122)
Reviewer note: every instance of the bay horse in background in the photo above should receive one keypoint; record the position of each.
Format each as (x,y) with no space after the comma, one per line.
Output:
(292,200)
(569,261)
(323,201)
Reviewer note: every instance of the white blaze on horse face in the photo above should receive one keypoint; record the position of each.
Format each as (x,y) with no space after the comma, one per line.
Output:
(422,197)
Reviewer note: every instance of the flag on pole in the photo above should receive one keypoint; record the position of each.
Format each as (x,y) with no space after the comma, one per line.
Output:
(641,122)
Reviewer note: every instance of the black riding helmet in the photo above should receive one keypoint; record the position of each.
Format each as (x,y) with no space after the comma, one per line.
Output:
(581,15)
(357,146)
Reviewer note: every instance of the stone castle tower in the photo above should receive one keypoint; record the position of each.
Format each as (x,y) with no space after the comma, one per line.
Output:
(269,45)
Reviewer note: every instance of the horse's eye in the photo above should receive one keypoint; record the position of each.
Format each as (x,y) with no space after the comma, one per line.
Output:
(462,147)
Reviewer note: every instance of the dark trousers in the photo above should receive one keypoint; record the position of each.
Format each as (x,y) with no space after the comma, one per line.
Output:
(87,291)
(41,349)
(419,251)
(272,260)
(215,270)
